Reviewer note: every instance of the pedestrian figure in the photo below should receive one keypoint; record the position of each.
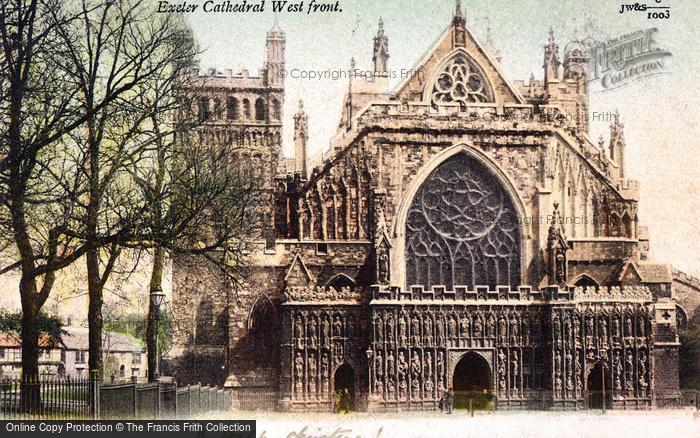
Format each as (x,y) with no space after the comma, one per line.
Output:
(443,401)
(345,398)
(338,406)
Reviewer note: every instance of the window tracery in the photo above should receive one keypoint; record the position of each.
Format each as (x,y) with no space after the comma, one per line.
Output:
(462,229)
(461,81)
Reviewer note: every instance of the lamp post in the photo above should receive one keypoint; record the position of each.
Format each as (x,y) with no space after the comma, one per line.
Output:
(156,297)
(369,354)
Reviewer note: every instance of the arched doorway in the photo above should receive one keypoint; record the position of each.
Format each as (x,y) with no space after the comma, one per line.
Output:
(598,387)
(344,379)
(262,332)
(472,381)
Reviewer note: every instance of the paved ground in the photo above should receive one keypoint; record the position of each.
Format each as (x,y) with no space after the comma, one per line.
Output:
(661,423)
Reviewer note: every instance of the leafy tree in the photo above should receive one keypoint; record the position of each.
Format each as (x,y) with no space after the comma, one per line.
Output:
(11,323)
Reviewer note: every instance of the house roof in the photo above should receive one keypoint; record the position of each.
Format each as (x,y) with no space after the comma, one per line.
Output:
(655,273)
(76,338)
(10,340)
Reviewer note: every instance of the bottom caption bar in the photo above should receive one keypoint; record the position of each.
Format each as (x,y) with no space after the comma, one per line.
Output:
(130,429)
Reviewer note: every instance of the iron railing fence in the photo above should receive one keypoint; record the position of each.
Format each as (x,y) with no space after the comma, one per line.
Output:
(54,398)
(45,398)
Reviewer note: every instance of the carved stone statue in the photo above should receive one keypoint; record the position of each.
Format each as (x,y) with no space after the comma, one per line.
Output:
(313,337)
(428,365)
(556,328)
(589,331)
(415,366)
(514,330)
(514,369)
(379,365)
(628,326)
(451,327)
(378,329)
(603,331)
(502,329)
(402,365)
(440,329)
(490,326)
(428,331)
(299,331)
(390,330)
(383,266)
(415,330)
(325,331)
(616,327)
(403,335)
(440,365)
(464,326)
(337,327)
(390,364)
(478,326)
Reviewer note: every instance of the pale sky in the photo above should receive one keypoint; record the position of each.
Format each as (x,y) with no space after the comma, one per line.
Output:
(658,112)
(660,124)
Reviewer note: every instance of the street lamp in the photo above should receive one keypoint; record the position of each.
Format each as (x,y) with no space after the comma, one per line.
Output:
(370,385)
(157,296)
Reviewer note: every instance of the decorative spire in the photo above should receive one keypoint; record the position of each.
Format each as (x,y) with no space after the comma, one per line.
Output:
(617,143)
(556,249)
(458,19)
(551,58)
(556,224)
(301,135)
(490,46)
(381,51)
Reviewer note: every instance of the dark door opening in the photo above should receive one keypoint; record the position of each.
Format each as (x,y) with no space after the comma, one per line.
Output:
(344,380)
(472,381)
(597,393)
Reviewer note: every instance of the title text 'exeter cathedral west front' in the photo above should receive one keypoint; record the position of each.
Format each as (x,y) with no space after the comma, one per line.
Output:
(461,231)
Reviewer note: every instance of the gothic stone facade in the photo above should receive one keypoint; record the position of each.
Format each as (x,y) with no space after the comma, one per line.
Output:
(462,231)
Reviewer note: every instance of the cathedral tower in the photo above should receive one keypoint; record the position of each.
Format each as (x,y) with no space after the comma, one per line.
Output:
(275,56)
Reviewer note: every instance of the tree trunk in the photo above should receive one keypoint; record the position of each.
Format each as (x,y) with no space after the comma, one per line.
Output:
(152,326)
(30,400)
(94,314)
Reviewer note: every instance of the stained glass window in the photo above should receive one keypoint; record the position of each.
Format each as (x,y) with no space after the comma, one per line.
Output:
(462,229)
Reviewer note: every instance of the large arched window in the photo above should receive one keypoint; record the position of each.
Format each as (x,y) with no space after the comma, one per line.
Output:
(462,229)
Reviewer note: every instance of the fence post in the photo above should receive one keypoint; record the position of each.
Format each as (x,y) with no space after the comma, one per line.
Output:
(94,395)
(136,397)
(158,387)
(189,400)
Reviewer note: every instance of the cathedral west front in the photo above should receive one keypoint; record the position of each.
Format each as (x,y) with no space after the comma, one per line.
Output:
(461,231)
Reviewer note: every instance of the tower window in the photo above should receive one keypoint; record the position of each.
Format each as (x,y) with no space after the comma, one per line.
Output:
(260,109)
(232,108)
